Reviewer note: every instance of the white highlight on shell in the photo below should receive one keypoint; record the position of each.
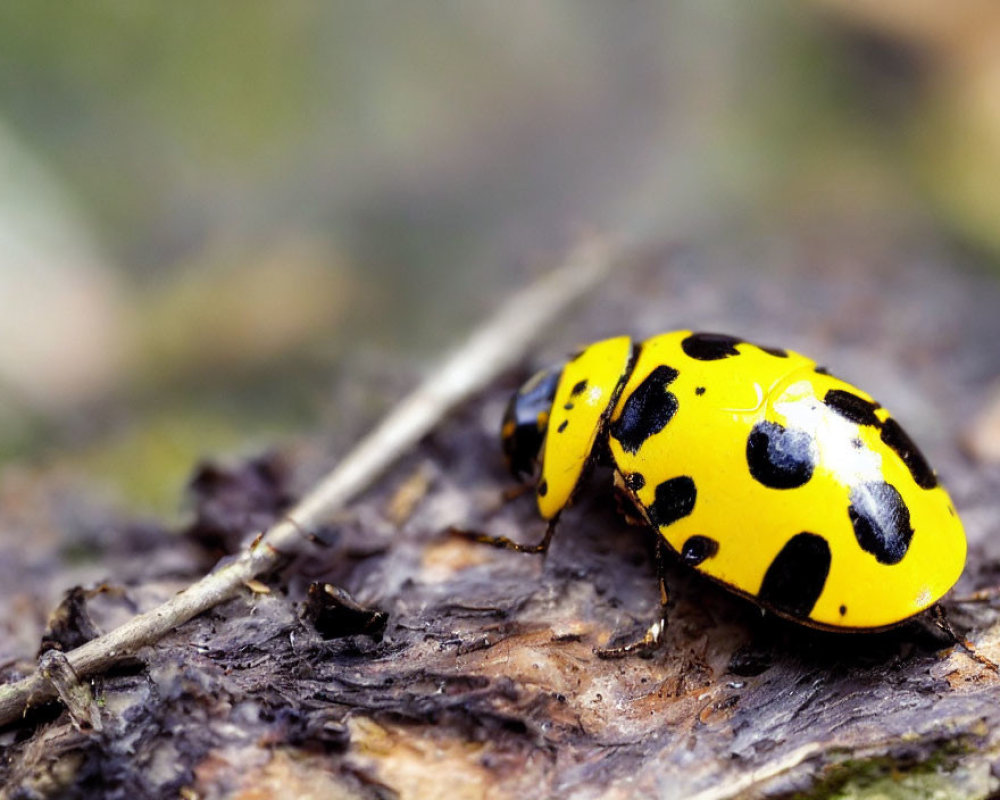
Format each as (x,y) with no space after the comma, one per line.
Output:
(833,434)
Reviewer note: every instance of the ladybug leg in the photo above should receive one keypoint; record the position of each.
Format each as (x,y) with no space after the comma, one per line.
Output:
(942,623)
(645,646)
(661,575)
(504,543)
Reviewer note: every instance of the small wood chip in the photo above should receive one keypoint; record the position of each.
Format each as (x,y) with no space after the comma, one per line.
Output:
(981,438)
(409,494)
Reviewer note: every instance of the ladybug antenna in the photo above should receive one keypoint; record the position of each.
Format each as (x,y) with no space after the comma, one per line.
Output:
(940,621)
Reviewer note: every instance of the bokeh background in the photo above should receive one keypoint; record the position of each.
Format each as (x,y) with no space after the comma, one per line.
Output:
(211,213)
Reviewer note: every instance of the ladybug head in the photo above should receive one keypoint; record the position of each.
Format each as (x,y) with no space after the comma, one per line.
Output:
(526,420)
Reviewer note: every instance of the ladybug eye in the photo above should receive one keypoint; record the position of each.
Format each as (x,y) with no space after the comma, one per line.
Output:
(526,419)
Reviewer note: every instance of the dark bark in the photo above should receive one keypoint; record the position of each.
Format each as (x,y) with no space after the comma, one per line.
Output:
(484,674)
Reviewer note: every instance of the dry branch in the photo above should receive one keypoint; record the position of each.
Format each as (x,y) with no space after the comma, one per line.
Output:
(497,345)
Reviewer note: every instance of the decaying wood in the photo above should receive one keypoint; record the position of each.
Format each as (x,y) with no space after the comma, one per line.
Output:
(483,681)
(493,348)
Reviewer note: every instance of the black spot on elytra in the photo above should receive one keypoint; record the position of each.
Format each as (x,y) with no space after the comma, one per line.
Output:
(777,352)
(700,390)
(635,481)
(852,407)
(780,457)
(647,410)
(562,426)
(710,346)
(674,500)
(795,579)
(578,388)
(543,488)
(821,371)
(881,521)
(894,436)
(843,610)
(698,548)
(568,407)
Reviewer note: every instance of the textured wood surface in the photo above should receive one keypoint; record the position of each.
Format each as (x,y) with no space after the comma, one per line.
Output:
(483,682)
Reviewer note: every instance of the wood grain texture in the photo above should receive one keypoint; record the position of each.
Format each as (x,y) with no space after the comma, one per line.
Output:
(484,682)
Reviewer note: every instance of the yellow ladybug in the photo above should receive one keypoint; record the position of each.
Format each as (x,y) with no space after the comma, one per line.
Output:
(783,483)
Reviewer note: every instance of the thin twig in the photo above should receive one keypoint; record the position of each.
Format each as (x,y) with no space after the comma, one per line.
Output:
(500,343)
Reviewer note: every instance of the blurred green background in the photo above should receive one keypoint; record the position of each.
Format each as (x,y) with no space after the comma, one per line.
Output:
(209,210)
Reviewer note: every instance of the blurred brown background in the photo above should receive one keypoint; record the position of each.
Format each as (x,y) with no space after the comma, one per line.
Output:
(208,211)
